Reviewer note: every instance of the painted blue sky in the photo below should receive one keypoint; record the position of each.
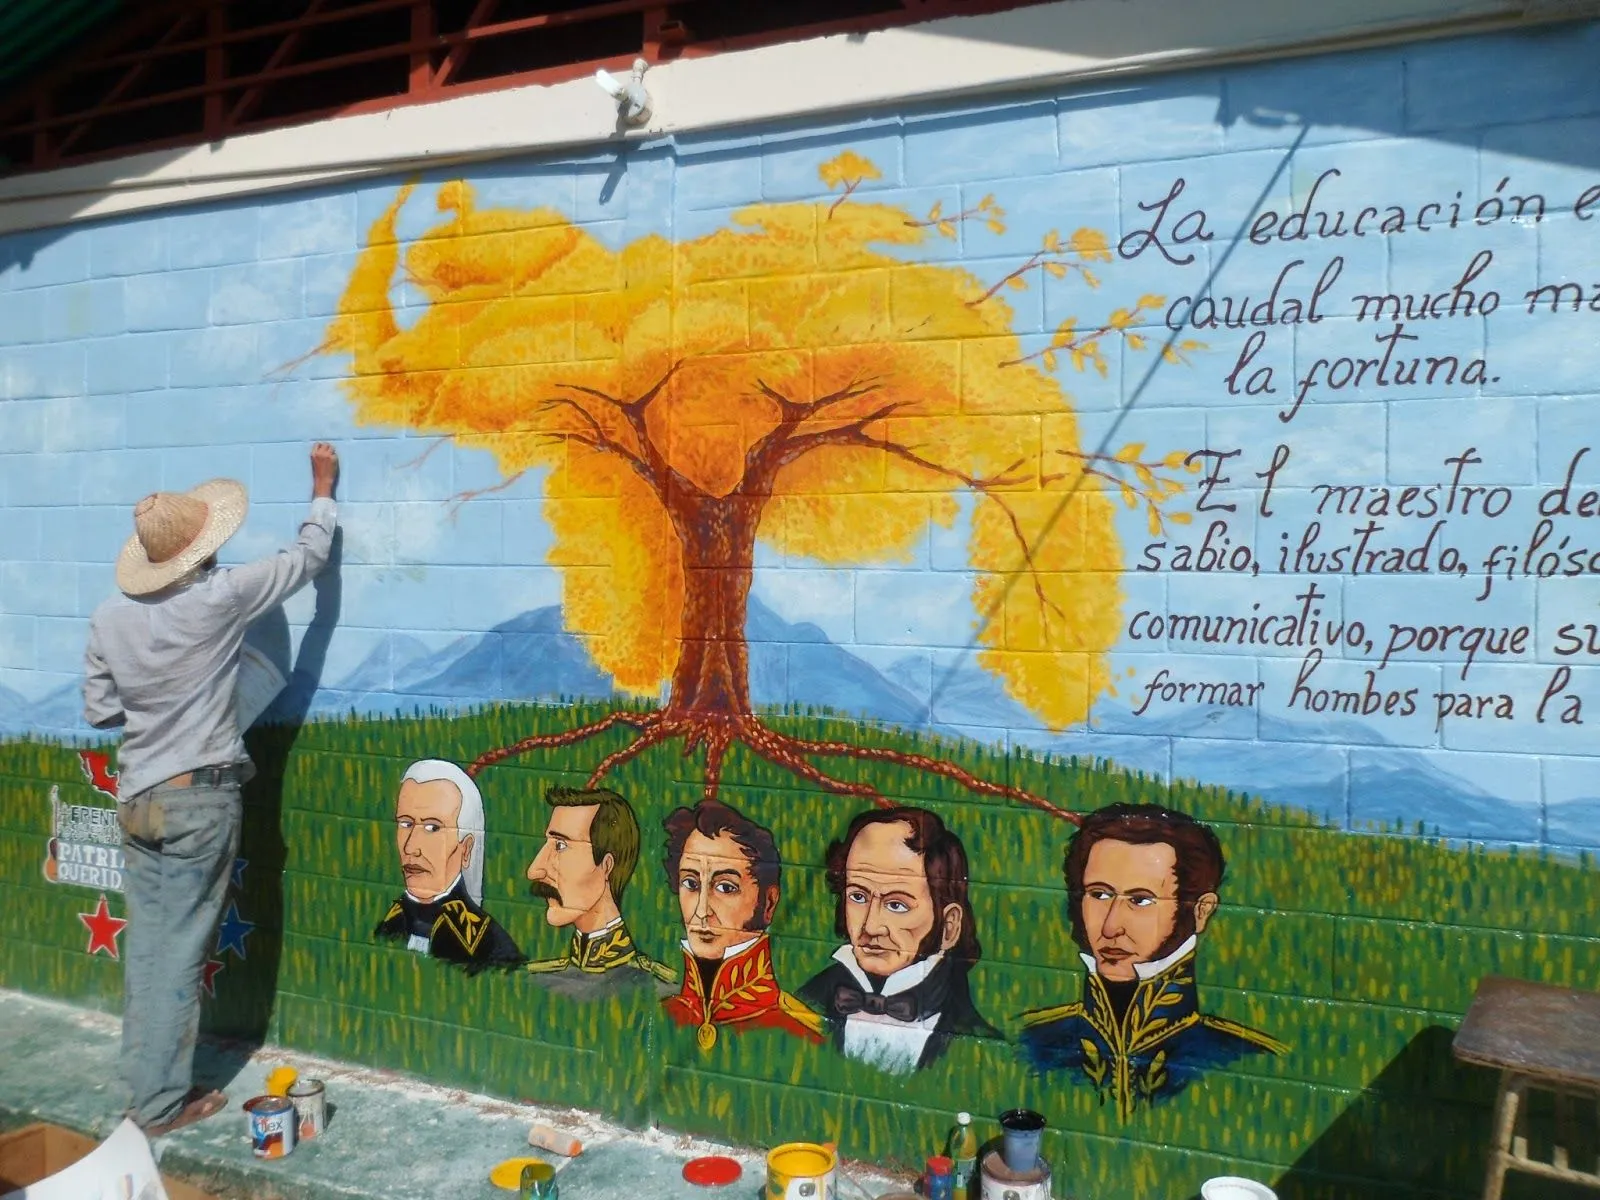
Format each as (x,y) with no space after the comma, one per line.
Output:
(160,350)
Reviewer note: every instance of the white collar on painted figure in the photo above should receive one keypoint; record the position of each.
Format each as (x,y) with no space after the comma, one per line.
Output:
(614,923)
(1149,970)
(902,980)
(731,951)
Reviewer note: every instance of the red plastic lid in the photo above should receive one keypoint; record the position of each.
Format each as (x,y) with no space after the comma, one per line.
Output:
(939,1164)
(712,1171)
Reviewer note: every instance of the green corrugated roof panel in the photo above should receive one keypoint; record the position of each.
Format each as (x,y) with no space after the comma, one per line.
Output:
(34,31)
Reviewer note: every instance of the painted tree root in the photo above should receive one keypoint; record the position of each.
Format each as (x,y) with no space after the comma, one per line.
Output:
(717,731)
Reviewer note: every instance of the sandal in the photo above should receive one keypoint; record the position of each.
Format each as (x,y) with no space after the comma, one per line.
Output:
(198,1106)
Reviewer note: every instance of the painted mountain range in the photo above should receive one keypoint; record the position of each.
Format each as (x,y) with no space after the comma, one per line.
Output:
(532,658)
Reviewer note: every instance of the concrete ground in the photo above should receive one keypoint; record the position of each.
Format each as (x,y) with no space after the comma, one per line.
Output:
(388,1136)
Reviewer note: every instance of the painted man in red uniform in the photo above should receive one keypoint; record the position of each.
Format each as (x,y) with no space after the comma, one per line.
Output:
(725,868)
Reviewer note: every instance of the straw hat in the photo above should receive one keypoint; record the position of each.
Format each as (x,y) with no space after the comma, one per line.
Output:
(174,532)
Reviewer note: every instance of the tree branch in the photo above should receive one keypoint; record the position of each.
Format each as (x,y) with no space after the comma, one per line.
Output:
(850,186)
(1154,490)
(988,488)
(767,454)
(1067,347)
(647,460)
(461,498)
(426,454)
(1038,257)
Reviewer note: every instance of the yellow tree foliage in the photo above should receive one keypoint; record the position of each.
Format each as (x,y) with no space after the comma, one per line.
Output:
(792,371)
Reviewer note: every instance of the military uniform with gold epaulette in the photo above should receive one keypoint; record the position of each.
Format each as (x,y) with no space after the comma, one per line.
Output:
(1149,1051)
(601,962)
(741,992)
(451,927)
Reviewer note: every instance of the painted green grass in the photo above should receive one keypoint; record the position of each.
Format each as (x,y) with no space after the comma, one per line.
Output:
(1358,950)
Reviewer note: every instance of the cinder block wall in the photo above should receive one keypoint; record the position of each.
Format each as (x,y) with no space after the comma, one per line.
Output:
(1307,558)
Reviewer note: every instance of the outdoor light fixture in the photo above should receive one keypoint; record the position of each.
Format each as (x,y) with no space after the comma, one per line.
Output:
(633,102)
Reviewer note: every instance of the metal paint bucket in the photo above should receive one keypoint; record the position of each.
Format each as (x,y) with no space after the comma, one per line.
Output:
(310,1100)
(802,1171)
(1001,1183)
(272,1126)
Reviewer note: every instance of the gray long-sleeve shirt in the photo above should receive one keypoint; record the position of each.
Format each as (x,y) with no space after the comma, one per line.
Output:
(164,667)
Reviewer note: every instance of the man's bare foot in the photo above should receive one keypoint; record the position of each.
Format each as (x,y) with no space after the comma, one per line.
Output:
(198,1107)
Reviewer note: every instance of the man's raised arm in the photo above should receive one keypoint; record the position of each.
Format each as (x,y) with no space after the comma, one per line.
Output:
(262,585)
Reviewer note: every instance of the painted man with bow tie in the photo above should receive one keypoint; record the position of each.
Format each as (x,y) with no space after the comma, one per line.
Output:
(896,992)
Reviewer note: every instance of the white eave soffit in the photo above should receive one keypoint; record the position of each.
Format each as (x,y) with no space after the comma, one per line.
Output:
(1049,44)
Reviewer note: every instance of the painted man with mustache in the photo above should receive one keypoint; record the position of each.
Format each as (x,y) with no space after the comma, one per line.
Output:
(591,846)
(896,992)
(439,833)
(1142,887)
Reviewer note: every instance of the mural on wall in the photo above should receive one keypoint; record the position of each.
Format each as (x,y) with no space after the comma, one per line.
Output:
(591,847)
(897,991)
(791,380)
(439,834)
(726,871)
(1142,886)
(104,929)
(85,846)
(927,488)
(97,770)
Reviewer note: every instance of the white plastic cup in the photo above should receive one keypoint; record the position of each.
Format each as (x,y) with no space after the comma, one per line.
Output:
(1234,1187)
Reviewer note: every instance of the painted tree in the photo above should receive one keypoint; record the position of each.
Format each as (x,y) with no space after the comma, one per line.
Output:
(795,378)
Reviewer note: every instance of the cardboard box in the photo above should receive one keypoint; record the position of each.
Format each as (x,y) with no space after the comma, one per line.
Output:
(38,1151)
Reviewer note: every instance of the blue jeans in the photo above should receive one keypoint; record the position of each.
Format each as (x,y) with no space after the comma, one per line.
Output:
(179,845)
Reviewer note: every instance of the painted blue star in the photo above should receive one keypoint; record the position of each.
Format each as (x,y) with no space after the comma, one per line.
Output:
(233,931)
(239,864)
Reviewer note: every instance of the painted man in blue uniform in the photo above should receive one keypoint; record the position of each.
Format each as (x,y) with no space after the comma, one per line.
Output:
(1142,887)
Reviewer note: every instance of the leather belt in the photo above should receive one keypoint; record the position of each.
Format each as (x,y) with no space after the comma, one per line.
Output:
(204,777)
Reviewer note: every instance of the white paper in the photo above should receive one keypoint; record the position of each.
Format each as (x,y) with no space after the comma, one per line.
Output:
(260,681)
(120,1168)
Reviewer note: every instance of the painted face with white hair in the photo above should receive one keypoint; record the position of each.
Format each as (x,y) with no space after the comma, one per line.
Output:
(436,838)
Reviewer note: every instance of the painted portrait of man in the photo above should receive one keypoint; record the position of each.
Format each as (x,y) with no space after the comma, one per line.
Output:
(591,847)
(897,991)
(727,874)
(438,821)
(1142,888)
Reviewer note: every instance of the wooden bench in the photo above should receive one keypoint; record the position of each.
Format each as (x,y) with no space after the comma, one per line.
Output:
(1537,1037)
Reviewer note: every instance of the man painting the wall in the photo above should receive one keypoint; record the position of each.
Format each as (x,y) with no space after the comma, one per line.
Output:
(897,990)
(1142,887)
(162,663)
(438,820)
(591,846)
(725,868)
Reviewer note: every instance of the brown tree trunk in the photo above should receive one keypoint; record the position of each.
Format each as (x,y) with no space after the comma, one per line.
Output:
(710,706)
(712,676)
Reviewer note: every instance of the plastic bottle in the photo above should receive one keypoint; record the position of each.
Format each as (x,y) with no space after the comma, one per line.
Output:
(964,1153)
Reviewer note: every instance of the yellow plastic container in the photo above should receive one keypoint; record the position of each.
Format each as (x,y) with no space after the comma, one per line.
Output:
(802,1171)
(280,1080)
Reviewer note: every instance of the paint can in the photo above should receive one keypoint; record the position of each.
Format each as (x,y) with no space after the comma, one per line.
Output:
(1002,1183)
(310,1100)
(272,1126)
(802,1171)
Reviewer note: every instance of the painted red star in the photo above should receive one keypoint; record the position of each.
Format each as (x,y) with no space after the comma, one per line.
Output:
(208,976)
(103,928)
